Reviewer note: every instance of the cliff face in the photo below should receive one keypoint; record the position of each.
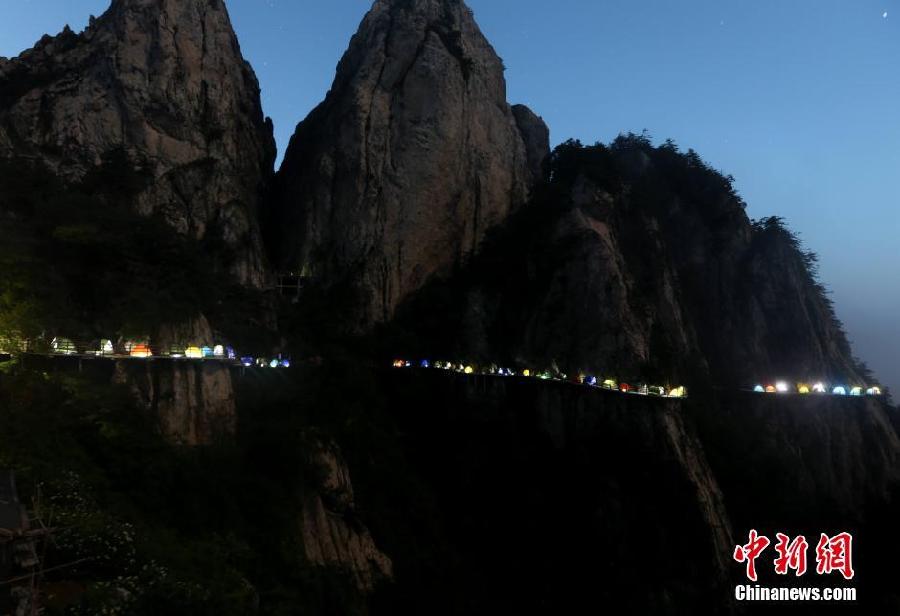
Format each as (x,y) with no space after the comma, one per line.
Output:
(332,533)
(411,158)
(640,262)
(194,404)
(162,84)
(567,491)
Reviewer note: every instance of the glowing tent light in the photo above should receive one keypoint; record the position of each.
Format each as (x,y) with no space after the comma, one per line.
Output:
(770,389)
(656,390)
(274,363)
(469,370)
(262,362)
(140,350)
(856,391)
(819,388)
(105,348)
(218,351)
(803,388)
(782,387)
(624,388)
(399,363)
(839,391)
(424,364)
(526,372)
(643,390)
(591,380)
(206,351)
(873,391)
(193,352)
(176,351)
(63,346)
(285,363)
(759,389)
(229,352)
(678,392)
(610,384)
(545,376)
(246,361)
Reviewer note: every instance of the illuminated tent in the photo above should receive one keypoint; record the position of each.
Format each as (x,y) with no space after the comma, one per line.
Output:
(839,391)
(678,392)
(624,387)
(819,388)
(803,388)
(781,387)
(656,390)
(105,347)
(193,352)
(140,350)
(246,361)
(856,391)
(759,389)
(770,389)
(63,346)
(218,351)
(206,351)
(874,391)
(610,384)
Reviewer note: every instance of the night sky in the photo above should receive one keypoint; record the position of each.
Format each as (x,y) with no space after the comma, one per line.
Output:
(799,100)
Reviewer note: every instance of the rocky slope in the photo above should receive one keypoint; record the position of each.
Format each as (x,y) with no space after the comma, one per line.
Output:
(640,262)
(162,84)
(413,156)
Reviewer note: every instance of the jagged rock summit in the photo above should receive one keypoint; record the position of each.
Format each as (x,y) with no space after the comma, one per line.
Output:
(162,84)
(414,154)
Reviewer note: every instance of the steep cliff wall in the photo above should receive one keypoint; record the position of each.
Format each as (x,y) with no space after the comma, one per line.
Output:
(193,402)
(162,86)
(639,262)
(583,497)
(411,158)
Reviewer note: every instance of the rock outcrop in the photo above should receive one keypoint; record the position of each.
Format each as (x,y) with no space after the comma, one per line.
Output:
(193,402)
(332,534)
(162,86)
(641,263)
(411,158)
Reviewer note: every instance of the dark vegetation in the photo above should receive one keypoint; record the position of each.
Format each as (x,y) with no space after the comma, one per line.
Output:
(212,530)
(669,212)
(78,261)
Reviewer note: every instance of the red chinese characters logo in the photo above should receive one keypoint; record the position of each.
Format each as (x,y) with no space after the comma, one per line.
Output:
(750,552)
(833,554)
(791,554)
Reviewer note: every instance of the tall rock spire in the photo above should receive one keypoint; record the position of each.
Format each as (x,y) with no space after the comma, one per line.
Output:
(414,154)
(164,83)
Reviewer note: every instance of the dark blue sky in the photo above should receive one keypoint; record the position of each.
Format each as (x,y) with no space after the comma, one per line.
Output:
(798,99)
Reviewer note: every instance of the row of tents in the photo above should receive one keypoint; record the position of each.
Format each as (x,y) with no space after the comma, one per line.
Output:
(142,349)
(783,387)
(643,389)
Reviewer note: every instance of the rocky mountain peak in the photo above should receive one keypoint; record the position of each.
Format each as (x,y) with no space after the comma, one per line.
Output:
(163,83)
(413,156)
